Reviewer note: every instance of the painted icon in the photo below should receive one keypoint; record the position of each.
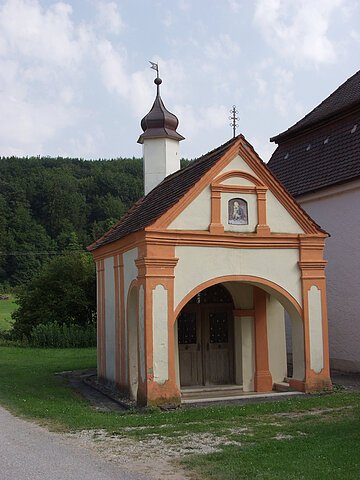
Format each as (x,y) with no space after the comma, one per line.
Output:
(238,212)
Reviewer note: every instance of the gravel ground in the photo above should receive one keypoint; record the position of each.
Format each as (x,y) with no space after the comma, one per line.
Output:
(30,452)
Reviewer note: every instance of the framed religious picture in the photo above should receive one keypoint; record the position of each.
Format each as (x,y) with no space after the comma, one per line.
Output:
(238,212)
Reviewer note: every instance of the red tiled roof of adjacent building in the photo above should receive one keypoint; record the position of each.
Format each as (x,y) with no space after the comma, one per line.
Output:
(149,208)
(325,152)
(341,100)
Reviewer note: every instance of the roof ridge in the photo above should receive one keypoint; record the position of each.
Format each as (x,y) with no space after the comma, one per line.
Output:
(161,198)
(304,123)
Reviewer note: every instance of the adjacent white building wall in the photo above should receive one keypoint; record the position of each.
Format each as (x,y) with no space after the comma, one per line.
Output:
(160,335)
(336,209)
(110,318)
(197,265)
(315,330)
(276,339)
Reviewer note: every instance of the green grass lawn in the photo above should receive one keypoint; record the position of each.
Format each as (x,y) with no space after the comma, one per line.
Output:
(309,437)
(6,309)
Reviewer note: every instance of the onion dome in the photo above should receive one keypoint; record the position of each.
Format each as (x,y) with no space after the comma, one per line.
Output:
(159,122)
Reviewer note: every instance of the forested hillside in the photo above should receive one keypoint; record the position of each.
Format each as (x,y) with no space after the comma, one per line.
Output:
(51,205)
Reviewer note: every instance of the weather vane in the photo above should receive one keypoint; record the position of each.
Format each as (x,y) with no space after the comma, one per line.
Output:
(234,119)
(157,81)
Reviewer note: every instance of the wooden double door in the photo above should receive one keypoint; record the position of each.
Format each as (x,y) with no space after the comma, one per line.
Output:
(206,344)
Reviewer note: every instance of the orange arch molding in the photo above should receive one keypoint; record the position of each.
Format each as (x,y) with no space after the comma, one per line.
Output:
(237,174)
(238,278)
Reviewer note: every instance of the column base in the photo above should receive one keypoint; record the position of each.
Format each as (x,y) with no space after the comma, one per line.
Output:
(159,395)
(311,385)
(263,382)
(216,228)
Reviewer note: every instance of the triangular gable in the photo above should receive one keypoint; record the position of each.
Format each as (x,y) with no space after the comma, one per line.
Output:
(166,201)
(193,210)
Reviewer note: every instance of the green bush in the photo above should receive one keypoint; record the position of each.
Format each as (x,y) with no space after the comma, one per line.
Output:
(64,292)
(55,335)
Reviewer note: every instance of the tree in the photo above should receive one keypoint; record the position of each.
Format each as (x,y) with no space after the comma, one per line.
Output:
(63,292)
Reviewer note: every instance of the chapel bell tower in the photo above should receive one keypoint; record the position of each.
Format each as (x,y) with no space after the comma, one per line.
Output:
(160,141)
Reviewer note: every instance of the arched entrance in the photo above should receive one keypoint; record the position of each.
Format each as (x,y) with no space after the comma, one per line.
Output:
(205,331)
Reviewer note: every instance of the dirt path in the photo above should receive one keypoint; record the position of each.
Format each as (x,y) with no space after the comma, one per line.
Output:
(30,452)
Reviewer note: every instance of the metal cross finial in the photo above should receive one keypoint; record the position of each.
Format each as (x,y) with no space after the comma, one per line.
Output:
(234,119)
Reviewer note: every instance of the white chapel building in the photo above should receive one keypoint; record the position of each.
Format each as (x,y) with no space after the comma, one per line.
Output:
(193,282)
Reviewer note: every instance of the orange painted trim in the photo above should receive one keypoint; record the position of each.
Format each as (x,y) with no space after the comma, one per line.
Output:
(312,377)
(98,311)
(263,379)
(233,189)
(259,189)
(103,333)
(117,320)
(237,278)
(101,321)
(123,376)
(123,245)
(227,240)
(236,174)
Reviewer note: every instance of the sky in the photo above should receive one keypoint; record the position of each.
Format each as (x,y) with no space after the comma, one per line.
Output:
(75,78)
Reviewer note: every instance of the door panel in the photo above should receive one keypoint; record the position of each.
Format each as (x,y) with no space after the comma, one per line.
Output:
(189,339)
(219,347)
(205,337)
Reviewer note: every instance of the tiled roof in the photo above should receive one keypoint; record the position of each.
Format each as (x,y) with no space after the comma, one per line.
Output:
(149,208)
(323,157)
(342,99)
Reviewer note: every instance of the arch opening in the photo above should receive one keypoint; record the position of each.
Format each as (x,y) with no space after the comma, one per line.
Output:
(205,339)
(242,334)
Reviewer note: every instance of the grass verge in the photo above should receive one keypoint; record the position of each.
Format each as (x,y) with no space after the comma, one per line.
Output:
(303,438)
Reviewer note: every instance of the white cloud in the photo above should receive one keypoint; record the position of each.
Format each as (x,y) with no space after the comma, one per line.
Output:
(221,47)
(109,16)
(234,5)
(43,35)
(299,30)
(40,57)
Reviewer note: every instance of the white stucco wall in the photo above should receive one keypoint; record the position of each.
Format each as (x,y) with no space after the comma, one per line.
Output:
(197,216)
(276,339)
(160,335)
(130,274)
(336,209)
(248,353)
(110,318)
(161,158)
(142,332)
(315,330)
(278,218)
(197,265)
(238,164)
